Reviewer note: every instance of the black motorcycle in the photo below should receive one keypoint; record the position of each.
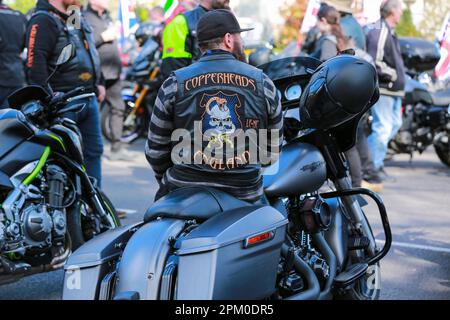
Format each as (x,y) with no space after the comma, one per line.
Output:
(426,114)
(49,206)
(303,243)
(137,94)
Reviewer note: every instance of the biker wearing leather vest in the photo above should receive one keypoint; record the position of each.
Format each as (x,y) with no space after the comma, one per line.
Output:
(55,24)
(202,112)
(180,47)
(49,30)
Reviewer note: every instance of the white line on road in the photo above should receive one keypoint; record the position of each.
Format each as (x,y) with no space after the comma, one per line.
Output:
(416,246)
(127,211)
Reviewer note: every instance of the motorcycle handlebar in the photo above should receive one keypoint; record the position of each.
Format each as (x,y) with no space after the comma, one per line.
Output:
(65,97)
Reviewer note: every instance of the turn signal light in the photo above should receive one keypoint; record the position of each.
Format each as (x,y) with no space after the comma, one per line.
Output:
(259,238)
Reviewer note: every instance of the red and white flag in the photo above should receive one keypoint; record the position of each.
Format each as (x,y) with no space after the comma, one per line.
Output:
(442,70)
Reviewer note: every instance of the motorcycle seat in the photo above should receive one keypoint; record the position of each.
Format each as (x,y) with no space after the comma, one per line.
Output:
(441,98)
(188,203)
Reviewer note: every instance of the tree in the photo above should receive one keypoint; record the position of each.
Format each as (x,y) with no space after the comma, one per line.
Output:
(141,13)
(142,9)
(21,5)
(406,27)
(434,15)
(293,11)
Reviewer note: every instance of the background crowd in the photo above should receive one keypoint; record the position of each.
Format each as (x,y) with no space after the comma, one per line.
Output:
(29,46)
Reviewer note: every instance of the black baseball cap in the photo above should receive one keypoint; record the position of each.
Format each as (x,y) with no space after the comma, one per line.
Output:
(217,23)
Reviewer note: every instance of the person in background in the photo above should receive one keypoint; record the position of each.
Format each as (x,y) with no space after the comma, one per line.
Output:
(50,29)
(180,46)
(350,26)
(12,43)
(156,15)
(312,36)
(105,37)
(332,39)
(156,18)
(384,47)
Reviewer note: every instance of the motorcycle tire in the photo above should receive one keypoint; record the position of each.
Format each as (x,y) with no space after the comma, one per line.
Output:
(131,133)
(367,287)
(104,121)
(76,225)
(443,154)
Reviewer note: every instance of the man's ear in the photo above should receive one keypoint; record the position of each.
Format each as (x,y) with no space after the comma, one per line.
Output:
(228,41)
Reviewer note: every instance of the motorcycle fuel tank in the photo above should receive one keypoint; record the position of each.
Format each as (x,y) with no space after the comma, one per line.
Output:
(13,130)
(300,169)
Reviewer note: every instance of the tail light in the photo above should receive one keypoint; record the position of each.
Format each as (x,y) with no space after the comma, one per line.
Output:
(259,238)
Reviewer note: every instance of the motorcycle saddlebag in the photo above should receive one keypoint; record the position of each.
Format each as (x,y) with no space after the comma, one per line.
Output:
(234,255)
(418,54)
(86,268)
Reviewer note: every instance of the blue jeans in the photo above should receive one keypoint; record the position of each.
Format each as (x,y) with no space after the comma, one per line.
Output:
(88,121)
(387,120)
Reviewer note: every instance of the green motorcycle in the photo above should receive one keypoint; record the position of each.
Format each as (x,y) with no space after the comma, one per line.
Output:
(49,206)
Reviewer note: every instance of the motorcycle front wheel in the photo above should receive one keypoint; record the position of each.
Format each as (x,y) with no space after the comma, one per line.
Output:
(443,151)
(134,125)
(83,223)
(367,287)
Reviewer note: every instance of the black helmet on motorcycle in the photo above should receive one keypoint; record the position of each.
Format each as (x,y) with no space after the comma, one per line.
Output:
(339,90)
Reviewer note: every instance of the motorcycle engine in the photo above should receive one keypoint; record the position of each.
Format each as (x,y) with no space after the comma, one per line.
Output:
(37,225)
(307,216)
(43,226)
(42,218)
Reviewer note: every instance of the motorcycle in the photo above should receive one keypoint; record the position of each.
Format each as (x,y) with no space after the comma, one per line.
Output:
(140,97)
(201,243)
(426,114)
(49,206)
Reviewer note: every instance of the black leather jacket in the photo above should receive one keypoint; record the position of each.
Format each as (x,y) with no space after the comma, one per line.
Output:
(215,101)
(48,32)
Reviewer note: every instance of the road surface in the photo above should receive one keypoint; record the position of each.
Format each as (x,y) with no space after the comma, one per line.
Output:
(418,203)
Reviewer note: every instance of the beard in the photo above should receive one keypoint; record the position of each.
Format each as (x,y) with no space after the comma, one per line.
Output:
(220,4)
(68,3)
(238,52)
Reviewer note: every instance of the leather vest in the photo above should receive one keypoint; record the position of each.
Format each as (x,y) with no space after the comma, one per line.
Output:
(191,44)
(217,98)
(84,68)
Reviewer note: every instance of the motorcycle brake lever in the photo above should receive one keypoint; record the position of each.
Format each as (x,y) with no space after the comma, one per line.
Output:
(81,96)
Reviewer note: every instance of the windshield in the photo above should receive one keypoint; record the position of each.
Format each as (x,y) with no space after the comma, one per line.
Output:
(290,67)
